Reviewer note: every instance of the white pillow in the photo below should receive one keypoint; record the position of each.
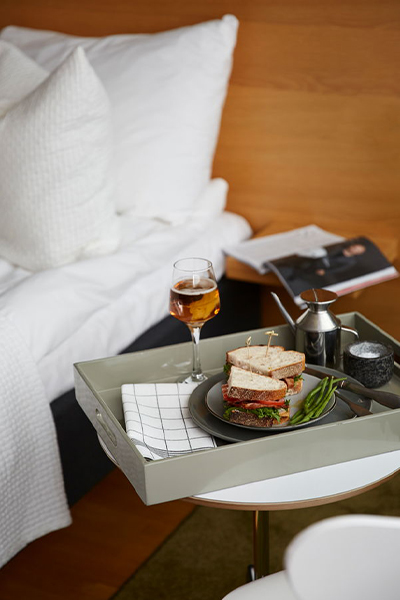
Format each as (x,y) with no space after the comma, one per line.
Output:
(167,92)
(56,193)
(18,76)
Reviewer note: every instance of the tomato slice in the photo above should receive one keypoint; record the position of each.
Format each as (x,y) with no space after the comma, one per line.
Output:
(255,404)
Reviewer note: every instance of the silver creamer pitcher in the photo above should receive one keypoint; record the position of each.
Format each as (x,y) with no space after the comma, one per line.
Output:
(317,331)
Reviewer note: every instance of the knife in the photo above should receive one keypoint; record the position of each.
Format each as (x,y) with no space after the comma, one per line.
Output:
(358,410)
(385,398)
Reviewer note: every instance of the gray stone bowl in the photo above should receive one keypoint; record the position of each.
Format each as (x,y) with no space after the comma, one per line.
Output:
(370,362)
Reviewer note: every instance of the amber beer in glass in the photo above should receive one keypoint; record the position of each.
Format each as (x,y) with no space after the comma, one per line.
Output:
(194,300)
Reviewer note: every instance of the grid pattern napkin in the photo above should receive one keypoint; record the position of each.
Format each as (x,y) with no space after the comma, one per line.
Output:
(158,421)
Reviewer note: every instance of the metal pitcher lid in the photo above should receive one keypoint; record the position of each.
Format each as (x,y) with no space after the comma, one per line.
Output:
(318,296)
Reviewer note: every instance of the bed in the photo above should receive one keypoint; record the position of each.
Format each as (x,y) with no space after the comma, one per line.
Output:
(106,154)
(305,125)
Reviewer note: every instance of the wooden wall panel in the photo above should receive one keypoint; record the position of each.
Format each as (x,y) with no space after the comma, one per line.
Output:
(311,125)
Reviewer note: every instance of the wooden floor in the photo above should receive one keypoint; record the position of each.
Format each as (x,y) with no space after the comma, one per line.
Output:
(112,531)
(112,534)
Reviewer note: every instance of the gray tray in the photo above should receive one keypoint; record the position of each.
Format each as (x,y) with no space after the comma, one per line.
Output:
(98,391)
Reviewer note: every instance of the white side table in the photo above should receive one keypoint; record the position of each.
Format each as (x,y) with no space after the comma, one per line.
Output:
(324,485)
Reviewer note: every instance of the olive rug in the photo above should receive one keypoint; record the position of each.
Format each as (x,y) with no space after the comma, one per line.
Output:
(207,555)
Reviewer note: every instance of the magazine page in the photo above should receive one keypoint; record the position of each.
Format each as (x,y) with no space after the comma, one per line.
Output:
(342,267)
(259,251)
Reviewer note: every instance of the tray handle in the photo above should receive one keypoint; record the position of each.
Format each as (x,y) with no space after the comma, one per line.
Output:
(110,434)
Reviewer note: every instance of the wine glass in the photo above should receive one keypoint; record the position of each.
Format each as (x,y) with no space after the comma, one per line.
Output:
(194,299)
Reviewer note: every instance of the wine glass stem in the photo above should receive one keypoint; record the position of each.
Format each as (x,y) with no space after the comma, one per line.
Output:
(197,373)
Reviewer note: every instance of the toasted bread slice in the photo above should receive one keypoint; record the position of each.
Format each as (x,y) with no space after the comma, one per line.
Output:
(249,386)
(277,363)
(244,354)
(287,364)
(250,420)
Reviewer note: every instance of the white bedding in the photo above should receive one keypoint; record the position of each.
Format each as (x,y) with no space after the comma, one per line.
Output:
(85,310)
(97,307)
(32,496)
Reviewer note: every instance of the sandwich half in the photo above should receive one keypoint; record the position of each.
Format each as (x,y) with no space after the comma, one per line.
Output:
(254,400)
(278,363)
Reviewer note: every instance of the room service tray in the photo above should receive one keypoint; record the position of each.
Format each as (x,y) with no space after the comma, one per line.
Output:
(98,392)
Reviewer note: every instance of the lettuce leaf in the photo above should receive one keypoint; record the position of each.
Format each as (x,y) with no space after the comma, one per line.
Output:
(227,369)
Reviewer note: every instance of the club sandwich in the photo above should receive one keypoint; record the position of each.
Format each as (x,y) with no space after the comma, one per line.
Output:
(254,400)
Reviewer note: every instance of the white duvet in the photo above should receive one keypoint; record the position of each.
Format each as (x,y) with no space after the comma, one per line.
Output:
(82,311)
(97,307)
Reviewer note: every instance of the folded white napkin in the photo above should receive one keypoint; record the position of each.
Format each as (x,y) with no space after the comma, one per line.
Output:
(158,421)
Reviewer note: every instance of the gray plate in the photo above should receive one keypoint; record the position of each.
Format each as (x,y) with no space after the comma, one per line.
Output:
(215,404)
(227,431)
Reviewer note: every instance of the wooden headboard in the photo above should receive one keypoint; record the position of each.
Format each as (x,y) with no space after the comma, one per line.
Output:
(311,126)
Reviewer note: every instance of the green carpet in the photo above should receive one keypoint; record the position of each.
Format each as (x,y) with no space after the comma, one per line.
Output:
(207,555)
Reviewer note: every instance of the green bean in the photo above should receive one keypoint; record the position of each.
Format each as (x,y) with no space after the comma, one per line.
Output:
(306,418)
(321,407)
(316,401)
(297,416)
(313,393)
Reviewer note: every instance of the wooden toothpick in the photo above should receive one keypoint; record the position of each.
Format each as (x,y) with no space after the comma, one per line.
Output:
(248,342)
(271,334)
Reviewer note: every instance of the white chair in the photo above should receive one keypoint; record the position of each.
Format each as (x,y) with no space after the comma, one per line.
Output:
(341,558)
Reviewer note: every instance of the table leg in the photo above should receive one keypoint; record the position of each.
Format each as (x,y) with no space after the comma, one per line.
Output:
(260,544)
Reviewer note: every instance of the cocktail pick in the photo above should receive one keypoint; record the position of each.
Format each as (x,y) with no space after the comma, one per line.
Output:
(248,342)
(271,334)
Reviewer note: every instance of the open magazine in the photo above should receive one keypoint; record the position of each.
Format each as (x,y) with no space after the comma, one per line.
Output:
(309,257)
